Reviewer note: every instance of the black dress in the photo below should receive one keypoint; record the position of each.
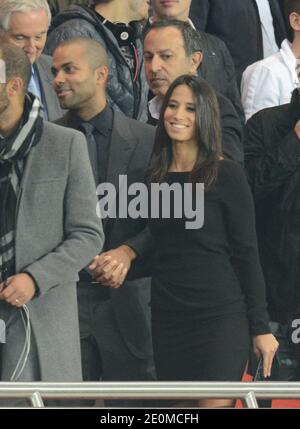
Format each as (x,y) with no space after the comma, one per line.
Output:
(208,292)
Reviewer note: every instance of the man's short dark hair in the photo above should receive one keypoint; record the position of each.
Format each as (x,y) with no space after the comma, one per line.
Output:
(16,62)
(291,6)
(94,51)
(95,2)
(191,37)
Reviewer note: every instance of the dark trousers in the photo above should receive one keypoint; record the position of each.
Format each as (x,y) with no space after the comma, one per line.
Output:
(105,355)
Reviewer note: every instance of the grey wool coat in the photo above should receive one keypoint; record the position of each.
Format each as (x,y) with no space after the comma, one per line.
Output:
(57,234)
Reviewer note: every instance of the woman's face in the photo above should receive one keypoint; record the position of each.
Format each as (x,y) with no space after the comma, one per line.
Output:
(179,117)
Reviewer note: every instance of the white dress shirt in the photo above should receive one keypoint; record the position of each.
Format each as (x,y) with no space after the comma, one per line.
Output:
(269,82)
(154,106)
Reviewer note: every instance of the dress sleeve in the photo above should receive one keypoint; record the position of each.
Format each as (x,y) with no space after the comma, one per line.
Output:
(240,224)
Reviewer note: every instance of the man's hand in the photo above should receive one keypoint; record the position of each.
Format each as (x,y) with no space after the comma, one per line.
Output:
(297,129)
(18,290)
(111,267)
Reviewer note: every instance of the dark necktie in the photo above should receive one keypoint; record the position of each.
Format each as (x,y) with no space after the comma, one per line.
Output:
(92,147)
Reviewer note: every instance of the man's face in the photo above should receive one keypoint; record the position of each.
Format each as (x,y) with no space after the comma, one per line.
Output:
(171,9)
(139,8)
(165,59)
(74,80)
(28,31)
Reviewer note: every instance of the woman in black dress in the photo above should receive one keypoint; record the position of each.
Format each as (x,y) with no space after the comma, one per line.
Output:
(208,294)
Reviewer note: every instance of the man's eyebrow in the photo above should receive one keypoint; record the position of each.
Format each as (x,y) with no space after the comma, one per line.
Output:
(23,35)
(63,65)
(161,51)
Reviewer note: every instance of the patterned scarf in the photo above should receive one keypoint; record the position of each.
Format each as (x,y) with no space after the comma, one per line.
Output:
(13,152)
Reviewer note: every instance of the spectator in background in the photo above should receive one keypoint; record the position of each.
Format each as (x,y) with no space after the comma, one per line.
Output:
(117,25)
(270,82)
(171,48)
(57,6)
(216,66)
(272,153)
(251,29)
(25,23)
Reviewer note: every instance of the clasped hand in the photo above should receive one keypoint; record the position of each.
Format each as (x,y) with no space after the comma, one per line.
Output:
(111,267)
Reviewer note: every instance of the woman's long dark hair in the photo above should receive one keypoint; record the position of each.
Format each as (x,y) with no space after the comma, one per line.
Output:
(208,134)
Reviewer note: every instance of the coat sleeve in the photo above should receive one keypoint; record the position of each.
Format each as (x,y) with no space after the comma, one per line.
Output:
(240,224)
(83,234)
(231,130)
(232,91)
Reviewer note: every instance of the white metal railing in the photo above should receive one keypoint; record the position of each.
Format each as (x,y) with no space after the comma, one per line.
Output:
(247,392)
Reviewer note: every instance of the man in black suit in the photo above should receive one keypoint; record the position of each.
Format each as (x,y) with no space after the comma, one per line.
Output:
(25,24)
(239,24)
(272,156)
(171,48)
(114,323)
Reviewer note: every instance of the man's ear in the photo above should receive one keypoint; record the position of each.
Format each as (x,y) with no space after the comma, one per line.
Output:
(196,60)
(15,86)
(102,74)
(294,19)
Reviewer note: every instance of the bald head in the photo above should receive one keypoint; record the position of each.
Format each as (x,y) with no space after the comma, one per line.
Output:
(14,64)
(93,52)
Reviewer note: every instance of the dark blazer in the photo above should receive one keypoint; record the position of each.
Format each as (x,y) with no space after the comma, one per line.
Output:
(237,23)
(272,160)
(218,70)
(43,65)
(130,151)
(232,130)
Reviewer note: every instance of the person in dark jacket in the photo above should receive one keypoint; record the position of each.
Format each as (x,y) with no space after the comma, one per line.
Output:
(272,156)
(217,67)
(57,6)
(238,24)
(117,25)
(171,48)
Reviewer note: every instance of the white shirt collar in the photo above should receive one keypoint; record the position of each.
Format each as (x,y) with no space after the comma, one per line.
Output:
(154,107)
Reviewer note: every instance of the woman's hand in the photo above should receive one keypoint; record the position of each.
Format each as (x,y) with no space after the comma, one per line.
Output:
(265,345)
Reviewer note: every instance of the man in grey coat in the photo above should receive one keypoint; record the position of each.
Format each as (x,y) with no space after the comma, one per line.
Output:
(25,23)
(49,231)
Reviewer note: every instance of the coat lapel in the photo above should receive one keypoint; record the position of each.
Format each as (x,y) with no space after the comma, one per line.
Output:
(45,77)
(122,146)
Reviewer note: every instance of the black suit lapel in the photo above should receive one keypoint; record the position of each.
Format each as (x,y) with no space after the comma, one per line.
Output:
(278,22)
(122,146)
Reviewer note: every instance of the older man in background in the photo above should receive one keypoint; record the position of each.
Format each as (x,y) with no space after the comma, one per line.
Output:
(25,23)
